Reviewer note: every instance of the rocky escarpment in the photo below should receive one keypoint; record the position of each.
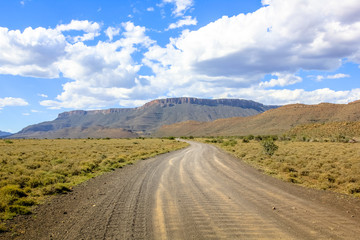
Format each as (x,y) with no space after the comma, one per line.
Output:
(149,117)
(209,102)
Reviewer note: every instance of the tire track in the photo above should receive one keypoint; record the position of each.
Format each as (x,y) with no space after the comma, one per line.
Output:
(221,200)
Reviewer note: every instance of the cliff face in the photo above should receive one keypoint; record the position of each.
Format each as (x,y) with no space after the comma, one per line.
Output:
(149,117)
(208,102)
(93,112)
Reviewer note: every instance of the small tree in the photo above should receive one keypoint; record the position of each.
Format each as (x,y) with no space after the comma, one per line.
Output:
(269,146)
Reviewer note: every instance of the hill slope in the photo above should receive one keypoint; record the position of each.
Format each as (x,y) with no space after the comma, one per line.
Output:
(141,120)
(274,121)
(327,130)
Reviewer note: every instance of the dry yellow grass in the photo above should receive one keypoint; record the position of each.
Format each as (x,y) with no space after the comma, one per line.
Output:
(321,165)
(330,131)
(32,169)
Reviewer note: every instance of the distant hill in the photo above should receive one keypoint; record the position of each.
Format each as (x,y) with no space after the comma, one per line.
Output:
(4,134)
(143,120)
(274,121)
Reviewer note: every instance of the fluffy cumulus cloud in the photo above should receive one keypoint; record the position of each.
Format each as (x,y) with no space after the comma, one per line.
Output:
(229,57)
(281,80)
(111,32)
(90,29)
(186,21)
(10,101)
(181,6)
(103,73)
(33,52)
(37,52)
(283,36)
(336,76)
(279,39)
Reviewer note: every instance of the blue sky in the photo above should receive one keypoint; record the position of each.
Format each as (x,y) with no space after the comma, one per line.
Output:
(62,55)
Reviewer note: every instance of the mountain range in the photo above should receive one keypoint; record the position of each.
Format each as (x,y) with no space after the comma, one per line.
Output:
(4,134)
(140,121)
(273,121)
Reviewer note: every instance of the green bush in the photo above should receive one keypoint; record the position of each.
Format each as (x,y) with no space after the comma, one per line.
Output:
(231,142)
(269,146)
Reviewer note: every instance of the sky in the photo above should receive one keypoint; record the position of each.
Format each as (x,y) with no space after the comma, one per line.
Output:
(63,55)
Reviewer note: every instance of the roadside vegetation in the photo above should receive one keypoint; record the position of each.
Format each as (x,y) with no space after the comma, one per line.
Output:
(328,164)
(31,170)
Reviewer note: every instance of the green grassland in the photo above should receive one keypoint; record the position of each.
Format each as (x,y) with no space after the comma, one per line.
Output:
(331,166)
(30,170)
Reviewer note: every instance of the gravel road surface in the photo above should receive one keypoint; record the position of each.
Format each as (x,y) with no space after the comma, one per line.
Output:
(196,193)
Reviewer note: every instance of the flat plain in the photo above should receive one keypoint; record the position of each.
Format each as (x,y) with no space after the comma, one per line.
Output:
(333,166)
(199,192)
(31,170)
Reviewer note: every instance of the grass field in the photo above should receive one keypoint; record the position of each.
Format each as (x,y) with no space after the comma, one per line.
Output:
(331,166)
(30,170)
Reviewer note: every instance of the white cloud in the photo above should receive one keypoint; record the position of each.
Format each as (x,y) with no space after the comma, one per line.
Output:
(150,9)
(265,2)
(26,114)
(37,52)
(111,32)
(10,101)
(43,95)
(103,73)
(226,58)
(186,21)
(279,39)
(336,76)
(91,29)
(33,52)
(286,96)
(281,80)
(303,34)
(181,6)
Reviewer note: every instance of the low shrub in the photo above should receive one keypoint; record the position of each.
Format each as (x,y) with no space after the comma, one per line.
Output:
(25,202)
(231,142)
(13,190)
(31,169)
(21,210)
(269,146)
(56,189)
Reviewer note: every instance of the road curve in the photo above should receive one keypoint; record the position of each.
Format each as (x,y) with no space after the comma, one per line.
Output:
(196,193)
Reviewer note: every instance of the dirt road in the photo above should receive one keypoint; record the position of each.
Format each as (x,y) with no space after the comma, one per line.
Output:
(196,193)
